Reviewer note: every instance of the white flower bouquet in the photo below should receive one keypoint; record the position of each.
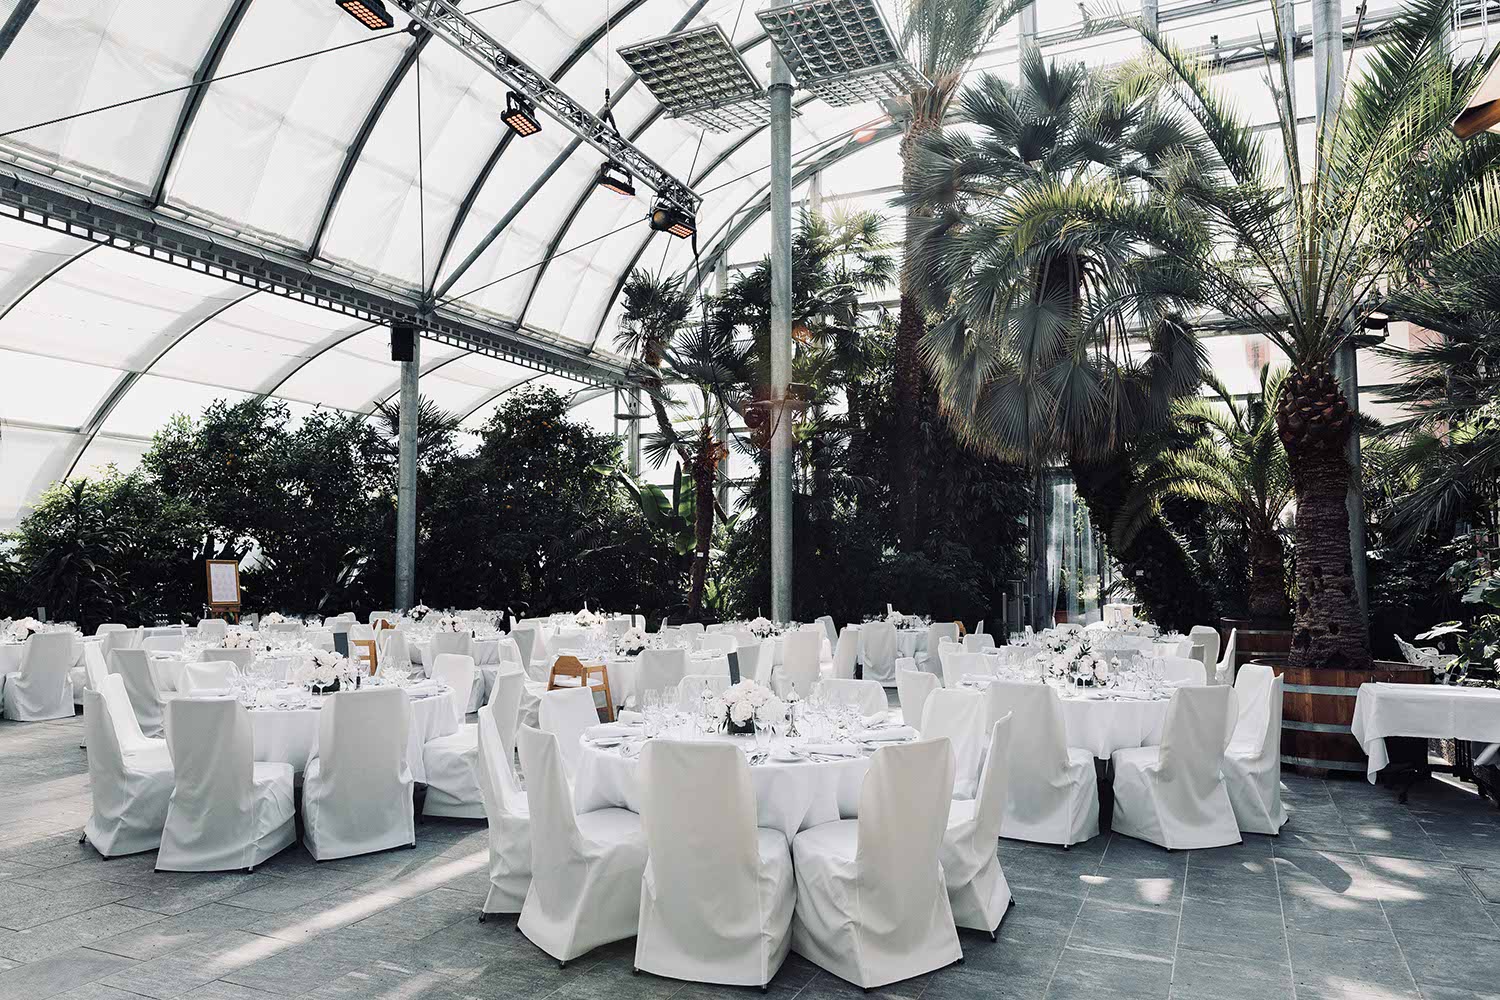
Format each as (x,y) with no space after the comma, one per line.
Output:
(274,618)
(24,628)
(632,640)
(763,628)
(321,669)
(417,612)
(243,639)
(747,703)
(451,623)
(1064,656)
(587,619)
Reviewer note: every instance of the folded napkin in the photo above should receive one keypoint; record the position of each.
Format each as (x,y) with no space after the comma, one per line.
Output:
(878,719)
(609,729)
(831,749)
(629,718)
(889,734)
(426,690)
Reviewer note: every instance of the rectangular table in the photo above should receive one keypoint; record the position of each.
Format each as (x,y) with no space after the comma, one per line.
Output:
(1426,711)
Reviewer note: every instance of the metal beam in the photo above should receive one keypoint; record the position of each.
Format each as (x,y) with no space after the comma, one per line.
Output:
(127,381)
(406,482)
(206,70)
(62,207)
(362,137)
(546,175)
(781,415)
(19,15)
(579,51)
(39,282)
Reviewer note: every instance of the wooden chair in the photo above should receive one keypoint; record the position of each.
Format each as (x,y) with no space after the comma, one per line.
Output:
(362,651)
(571,666)
(380,623)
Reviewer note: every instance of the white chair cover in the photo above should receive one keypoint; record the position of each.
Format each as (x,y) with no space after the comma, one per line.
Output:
(878,652)
(691,630)
(451,762)
(128,790)
(208,677)
(719,642)
(134,668)
(41,689)
(94,667)
(525,637)
(958,715)
(1174,795)
(1225,671)
(662,669)
(829,628)
(717,894)
(240,658)
(869,695)
(1184,670)
(1252,763)
(937,633)
(128,732)
(913,688)
(505,806)
(356,793)
(692,685)
(125,638)
(586,868)
(978,642)
(872,907)
(568,713)
(1054,797)
(212,629)
(457,671)
(977,889)
(846,653)
(1206,637)
(950,668)
(505,706)
(375,616)
(800,654)
(109,627)
(392,651)
(164,643)
(756,661)
(227,812)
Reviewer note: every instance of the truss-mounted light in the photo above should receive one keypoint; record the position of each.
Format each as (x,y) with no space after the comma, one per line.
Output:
(520,115)
(666,218)
(841,50)
(371,13)
(699,76)
(616,178)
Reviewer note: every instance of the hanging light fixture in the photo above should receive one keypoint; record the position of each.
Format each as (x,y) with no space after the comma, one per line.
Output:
(371,13)
(665,218)
(615,178)
(520,115)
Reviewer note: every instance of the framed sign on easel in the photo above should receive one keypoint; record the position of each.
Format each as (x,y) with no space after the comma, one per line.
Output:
(223,588)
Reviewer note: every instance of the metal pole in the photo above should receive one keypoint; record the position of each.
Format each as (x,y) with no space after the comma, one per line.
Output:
(1149,14)
(1328,87)
(1026,27)
(781,338)
(721,421)
(1289,52)
(406,489)
(633,432)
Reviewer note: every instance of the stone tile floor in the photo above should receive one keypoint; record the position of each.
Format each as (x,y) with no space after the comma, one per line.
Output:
(1360,897)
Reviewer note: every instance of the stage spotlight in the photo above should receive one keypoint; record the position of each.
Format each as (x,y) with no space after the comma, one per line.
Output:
(520,115)
(667,218)
(616,178)
(371,13)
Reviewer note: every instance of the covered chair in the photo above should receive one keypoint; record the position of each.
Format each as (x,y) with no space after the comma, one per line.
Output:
(978,642)
(1206,637)
(125,638)
(846,653)
(1184,670)
(872,907)
(958,715)
(867,694)
(586,868)
(525,637)
(130,779)
(133,666)
(456,670)
(241,658)
(937,633)
(913,688)
(109,627)
(717,895)
(1252,763)
(756,656)
(227,812)
(568,713)
(41,689)
(164,643)
(878,652)
(454,785)
(1054,798)
(801,652)
(662,669)
(692,685)
(1224,672)
(1173,795)
(977,889)
(829,628)
(208,677)
(505,807)
(719,642)
(212,629)
(356,793)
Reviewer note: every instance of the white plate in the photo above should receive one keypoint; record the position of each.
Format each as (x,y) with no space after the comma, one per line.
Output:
(785,756)
(607,741)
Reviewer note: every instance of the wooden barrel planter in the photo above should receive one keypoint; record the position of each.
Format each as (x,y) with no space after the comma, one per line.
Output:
(1318,707)
(1256,638)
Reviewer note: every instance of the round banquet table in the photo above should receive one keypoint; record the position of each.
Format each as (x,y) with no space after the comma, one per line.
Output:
(290,735)
(486,652)
(788,797)
(1101,726)
(909,642)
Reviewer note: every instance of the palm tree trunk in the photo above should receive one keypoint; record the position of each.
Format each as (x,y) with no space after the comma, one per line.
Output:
(910,383)
(1330,629)
(704,475)
(1267,596)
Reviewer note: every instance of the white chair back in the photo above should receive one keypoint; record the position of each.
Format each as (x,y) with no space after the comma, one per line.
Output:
(958,715)
(1184,670)
(457,671)
(718,642)
(913,688)
(994,786)
(799,659)
(126,638)
(128,794)
(212,629)
(829,628)
(504,707)
(846,653)
(568,713)
(109,627)
(208,677)
(1199,723)
(1037,725)
(452,642)
(164,643)
(363,791)
(691,630)
(662,669)
(525,638)
(42,689)
(1225,671)
(506,812)
(126,730)
(554,827)
(1252,695)
(878,651)
(978,642)
(756,657)
(241,657)
(1206,638)
(867,694)
(211,817)
(134,668)
(94,667)
(375,616)
(392,652)
(939,631)
(692,685)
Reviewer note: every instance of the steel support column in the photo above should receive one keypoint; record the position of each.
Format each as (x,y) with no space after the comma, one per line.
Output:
(721,422)
(781,338)
(406,488)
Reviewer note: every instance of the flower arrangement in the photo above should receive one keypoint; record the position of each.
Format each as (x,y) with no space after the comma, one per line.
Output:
(451,623)
(1134,627)
(322,669)
(587,619)
(763,628)
(243,640)
(274,618)
(417,612)
(746,703)
(1066,655)
(24,628)
(632,640)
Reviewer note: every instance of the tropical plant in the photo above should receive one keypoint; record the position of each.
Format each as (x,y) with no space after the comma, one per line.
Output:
(1232,461)
(1304,251)
(945,36)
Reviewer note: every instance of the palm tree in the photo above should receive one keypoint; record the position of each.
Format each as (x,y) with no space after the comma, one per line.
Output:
(1232,462)
(1054,244)
(946,37)
(1304,262)
(672,353)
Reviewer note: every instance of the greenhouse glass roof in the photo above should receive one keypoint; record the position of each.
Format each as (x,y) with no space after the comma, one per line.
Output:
(285,131)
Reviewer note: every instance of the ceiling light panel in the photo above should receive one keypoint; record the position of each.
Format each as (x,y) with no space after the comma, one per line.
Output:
(698,76)
(842,50)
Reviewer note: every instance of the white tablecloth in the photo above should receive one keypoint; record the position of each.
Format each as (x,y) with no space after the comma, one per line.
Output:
(290,736)
(1102,727)
(788,797)
(1431,711)
(909,642)
(486,652)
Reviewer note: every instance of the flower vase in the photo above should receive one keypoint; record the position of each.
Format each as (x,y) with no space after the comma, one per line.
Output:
(738,729)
